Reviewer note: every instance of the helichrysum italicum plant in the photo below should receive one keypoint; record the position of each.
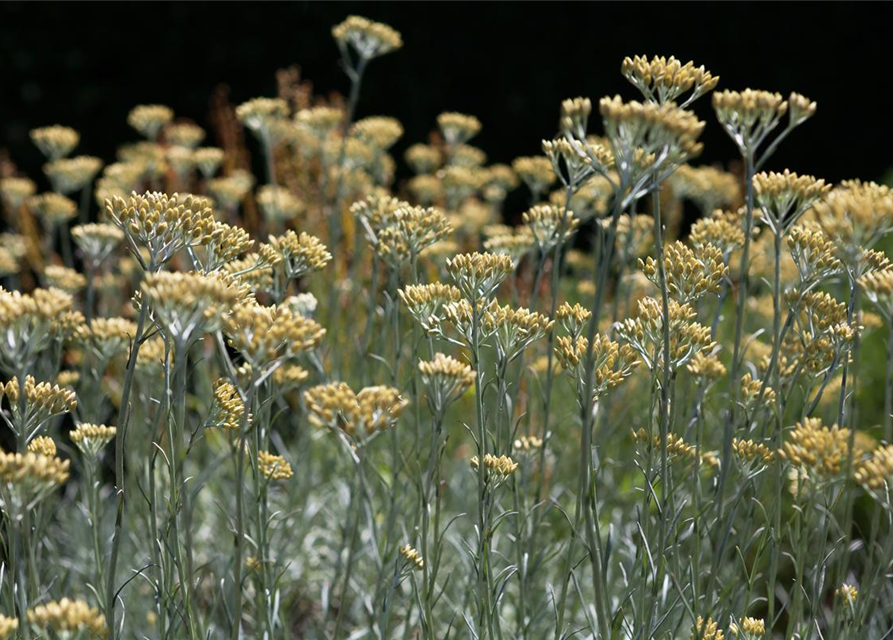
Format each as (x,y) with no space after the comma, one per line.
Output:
(353,377)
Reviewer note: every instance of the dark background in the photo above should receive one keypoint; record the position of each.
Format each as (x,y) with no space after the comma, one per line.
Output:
(86,64)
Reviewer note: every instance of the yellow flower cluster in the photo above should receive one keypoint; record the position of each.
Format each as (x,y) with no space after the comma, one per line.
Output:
(677,447)
(55,141)
(413,557)
(500,467)
(689,275)
(749,451)
(264,335)
(458,128)
(91,438)
(477,275)
(336,406)
(67,618)
(875,471)
(53,208)
(446,379)
(648,127)
(149,119)
(370,39)
(298,254)
(748,629)
(550,225)
(707,630)
(228,409)
(26,479)
(97,240)
(273,467)
(43,397)
(665,79)
(817,447)
(43,446)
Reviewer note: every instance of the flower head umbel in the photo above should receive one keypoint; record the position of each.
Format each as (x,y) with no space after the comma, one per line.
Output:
(42,401)
(91,438)
(550,225)
(612,362)
(513,330)
(97,240)
(537,173)
(27,324)
(368,38)
(189,305)
(689,274)
(425,303)
(43,445)
(68,175)
(68,619)
(749,116)
(56,141)
(265,335)
(497,469)
(412,557)
(105,338)
(784,197)
(26,479)
(816,447)
(150,119)
(261,116)
(273,467)
(228,408)
(446,380)
(706,630)
(477,275)
(296,255)
(458,128)
(160,224)
(664,79)
(409,231)
(53,209)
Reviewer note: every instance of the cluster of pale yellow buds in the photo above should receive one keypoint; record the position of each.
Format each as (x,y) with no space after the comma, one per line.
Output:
(875,471)
(43,446)
(72,174)
(722,229)
(707,367)
(748,629)
(465,155)
(68,618)
(784,197)
(817,447)
(536,172)
(458,128)
(26,479)
(106,337)
(229,191)
(477,275)
(573,319)
(413,557)
(514,329)
(252,270)
(222,244)
(379,131)
(161,224)
(665,130)
(572,162)
(228,409)
(678,448)
(150,119)
(410,231)
(706,630)
(264,335)
(63,278)
(55,141)
(612,362)
(514,243)
(273,467)
(814,254)
(749,115)
(498,467)
(426,303)
(53,208)
(446,379)
(666,79)
(856,215)
(91,438)
(708,187)
(752,391)
(848,593)
(187,305)
(16,190)
(8,627)
(368,38)
(261,115)
(575,114)
(460,183)
(299,254)
(749,451)
(289,376)
(184,134)
(646,333)
(550,225)
(423,159)
(97,240)
(360,415)
(320,120)
(42,401)
(208,160)
(689,275)
(278,203)
(527,443)
(824,317)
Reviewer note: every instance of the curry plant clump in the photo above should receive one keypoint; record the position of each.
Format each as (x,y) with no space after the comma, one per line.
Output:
(320,402)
